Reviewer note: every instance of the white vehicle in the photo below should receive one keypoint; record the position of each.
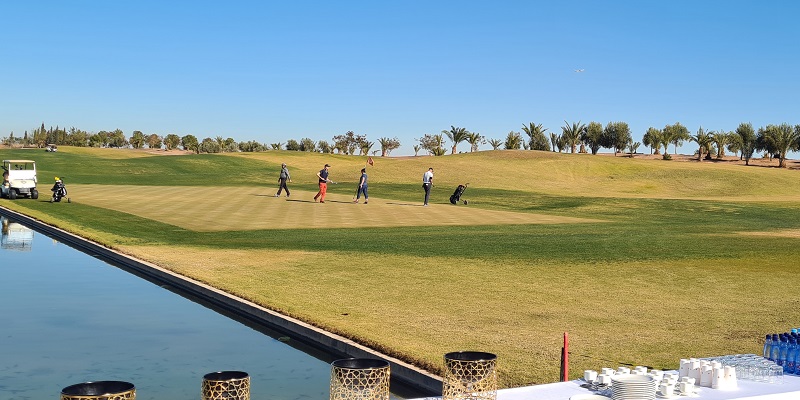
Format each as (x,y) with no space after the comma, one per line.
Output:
(19,179)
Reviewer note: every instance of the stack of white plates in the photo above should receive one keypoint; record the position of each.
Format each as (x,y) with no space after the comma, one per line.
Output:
(633,387)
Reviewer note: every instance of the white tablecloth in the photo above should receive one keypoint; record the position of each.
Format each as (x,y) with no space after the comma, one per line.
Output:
(789,390)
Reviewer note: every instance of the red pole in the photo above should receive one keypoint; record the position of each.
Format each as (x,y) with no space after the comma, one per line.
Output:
(565,359)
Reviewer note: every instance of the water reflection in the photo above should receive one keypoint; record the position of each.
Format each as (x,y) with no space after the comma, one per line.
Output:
(15,236)
(70,318)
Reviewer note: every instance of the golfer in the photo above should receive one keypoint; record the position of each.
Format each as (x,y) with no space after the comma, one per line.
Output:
(427,182)
(362,186)
(282,180)
(323,184)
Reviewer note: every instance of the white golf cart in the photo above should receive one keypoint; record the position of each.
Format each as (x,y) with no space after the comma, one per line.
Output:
(19,179)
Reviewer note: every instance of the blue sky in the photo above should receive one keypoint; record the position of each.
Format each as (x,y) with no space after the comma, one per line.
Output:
(272,71)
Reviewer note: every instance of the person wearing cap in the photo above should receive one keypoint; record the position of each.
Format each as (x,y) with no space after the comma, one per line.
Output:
(282,180)
(323,183)
(362,186)
(427,182)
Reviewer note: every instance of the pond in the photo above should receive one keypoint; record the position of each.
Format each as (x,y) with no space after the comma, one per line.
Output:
(70,318)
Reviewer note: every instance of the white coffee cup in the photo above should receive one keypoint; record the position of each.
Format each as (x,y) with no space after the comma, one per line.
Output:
(707,374)
(730,377)
(666,389)
(603,379)
(671,375)
(608,371)
(589,375)
(686,388)
(623,370)
(718,378)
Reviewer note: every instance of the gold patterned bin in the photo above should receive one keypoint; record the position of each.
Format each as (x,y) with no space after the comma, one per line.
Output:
(470,375)
(360,378)
(226,385)
(100,390)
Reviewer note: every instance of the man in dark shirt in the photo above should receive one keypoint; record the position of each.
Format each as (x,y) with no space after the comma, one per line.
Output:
(362,186)
(323,184)
(282,180)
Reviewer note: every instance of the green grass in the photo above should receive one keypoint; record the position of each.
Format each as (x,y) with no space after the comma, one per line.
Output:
(667,275)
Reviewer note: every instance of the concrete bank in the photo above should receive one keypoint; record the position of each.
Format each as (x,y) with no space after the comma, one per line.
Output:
(405,373)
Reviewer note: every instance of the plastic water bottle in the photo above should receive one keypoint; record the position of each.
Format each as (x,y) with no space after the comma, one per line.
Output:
(767,346)
(783,348)
(790,367)
(774,350)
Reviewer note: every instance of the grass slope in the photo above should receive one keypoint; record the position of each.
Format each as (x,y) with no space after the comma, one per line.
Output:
(692,259)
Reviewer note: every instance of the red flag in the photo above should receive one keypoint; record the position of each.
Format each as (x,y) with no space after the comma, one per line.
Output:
(370,162)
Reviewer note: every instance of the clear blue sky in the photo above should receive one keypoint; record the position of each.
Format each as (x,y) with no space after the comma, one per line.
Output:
(272,71)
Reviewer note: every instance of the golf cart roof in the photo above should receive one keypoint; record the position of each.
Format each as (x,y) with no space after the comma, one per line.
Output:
(18,161)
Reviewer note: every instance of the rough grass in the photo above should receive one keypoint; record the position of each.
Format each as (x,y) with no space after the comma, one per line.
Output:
(691,259)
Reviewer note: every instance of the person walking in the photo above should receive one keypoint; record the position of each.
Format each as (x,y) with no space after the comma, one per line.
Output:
(362,186)
(323,183)
(282,180)
(427,182)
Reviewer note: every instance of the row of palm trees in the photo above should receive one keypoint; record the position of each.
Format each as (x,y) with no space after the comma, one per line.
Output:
(774,140)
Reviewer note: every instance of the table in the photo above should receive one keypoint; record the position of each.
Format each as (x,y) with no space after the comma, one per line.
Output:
(789,390)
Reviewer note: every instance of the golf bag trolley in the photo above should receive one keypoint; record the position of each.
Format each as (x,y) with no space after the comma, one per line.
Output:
(59,191)
(455,198)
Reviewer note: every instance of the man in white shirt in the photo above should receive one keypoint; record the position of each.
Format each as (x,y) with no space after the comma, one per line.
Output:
(427,182)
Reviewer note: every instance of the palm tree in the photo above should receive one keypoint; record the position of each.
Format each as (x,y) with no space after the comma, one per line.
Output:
(366,146)
(703,139)
(513,141)
(653,139)
(554,138)
(537,138)
(782,139)
(457,135)
(721,139)
(495,143)
(388,144)
(475,139)
(572,133)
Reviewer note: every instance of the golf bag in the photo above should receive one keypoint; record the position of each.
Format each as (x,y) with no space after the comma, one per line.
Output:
(455,198)
(59,191)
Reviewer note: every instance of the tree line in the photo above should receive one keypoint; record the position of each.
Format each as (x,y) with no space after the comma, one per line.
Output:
(774,140)
(347,143)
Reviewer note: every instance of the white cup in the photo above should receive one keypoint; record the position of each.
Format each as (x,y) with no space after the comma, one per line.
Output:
(666,389)
(685,365)
(608,371)
(718,378)
(623,370)
(603,379)
(686,388)
(589,375)
(640,368)
(707,375)
(671,375)
(688,379)
(730,377)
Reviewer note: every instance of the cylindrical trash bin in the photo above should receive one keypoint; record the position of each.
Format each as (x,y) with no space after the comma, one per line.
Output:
(360,378)
(226,385)
(100,390)
(469,375)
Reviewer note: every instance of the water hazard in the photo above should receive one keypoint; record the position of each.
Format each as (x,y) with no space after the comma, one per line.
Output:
(69,318)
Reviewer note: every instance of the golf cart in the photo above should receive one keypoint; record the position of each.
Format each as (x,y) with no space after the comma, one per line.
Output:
(19,179)
(51,148)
